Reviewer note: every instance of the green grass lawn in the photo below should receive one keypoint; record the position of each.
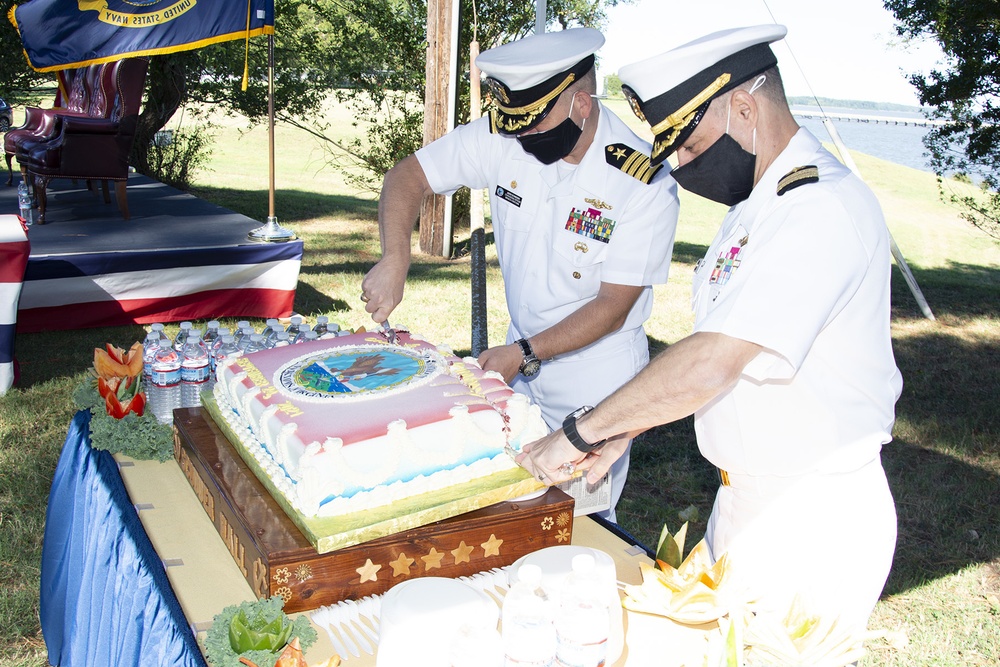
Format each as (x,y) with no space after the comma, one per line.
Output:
(941,601)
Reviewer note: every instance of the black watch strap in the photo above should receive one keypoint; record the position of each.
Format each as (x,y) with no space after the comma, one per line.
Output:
(569,428)
(525,346)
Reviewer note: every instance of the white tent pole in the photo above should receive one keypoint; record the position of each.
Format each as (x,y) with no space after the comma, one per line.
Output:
(540,11)
(845,155)
(904,267)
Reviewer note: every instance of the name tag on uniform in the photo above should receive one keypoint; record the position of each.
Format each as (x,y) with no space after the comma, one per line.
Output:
(508,196)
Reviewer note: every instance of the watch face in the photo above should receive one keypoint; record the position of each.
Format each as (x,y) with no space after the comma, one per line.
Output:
(531,367)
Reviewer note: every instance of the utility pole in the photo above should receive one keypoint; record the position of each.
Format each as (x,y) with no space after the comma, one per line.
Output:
(439,115)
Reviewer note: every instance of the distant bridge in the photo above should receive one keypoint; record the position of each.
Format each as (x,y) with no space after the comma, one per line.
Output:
(862,118)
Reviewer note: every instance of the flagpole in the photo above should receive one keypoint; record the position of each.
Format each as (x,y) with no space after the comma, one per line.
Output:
(270,127)
(272,231)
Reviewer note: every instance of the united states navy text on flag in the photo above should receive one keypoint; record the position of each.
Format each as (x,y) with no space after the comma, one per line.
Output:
(57,34)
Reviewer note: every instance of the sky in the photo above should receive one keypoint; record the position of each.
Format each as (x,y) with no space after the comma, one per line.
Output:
(842,49)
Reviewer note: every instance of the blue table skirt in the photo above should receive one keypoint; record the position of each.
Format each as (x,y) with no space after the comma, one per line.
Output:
(105,596)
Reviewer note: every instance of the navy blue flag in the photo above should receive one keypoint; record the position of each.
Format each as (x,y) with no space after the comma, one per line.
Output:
(59,34)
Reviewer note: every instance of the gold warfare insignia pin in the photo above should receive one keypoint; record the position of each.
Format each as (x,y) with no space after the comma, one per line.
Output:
(598,203)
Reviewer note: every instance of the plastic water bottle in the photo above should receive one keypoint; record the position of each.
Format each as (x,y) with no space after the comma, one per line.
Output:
(322,325)
(243,328)
(216,344)
(281,339)
(242,337)
(301,335)
(194,359)
(24,202)
(166,366)
(255,343)
(528,632)
(272,334)
(149,348)
(226,350)
(583,622)
(269,330)
(157,328)
(211,333)
(294,326)
(181,336)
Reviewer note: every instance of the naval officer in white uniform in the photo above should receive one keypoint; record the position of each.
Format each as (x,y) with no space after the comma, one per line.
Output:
(583,225)
(790,371)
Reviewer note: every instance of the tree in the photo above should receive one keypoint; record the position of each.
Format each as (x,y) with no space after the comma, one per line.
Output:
(613,86)
(368,53)
(964,95)
(18,82)
(210,77)
(381,50)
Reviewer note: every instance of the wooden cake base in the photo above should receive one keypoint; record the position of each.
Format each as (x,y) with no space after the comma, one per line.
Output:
(277,559)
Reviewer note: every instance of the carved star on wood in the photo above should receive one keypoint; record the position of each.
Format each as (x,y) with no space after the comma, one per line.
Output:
(432,559)
(401,566)
(492,546)
(368,571)
(462,553)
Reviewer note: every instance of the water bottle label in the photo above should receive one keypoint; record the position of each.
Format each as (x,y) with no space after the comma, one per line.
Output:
(579,654)
(166,378)
(194,374)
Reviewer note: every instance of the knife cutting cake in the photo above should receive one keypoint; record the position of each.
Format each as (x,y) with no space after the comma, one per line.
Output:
(350,424)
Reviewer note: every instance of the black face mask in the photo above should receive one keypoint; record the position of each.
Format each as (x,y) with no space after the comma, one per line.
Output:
(552,145)
(723,173)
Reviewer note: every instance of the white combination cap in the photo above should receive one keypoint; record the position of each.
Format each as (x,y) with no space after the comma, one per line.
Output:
(526,77)
(671,91)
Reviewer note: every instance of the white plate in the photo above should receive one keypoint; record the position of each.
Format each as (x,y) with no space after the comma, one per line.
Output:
(530,496)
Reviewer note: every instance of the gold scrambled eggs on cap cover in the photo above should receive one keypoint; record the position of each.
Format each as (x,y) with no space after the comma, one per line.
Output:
(526,77)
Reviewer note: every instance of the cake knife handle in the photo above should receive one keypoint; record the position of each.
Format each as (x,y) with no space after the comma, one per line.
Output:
(389,332)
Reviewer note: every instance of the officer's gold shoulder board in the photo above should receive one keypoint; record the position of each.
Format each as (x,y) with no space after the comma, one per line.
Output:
(796,177)
(632,162)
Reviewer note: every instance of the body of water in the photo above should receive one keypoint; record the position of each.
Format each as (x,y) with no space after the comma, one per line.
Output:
(901,144)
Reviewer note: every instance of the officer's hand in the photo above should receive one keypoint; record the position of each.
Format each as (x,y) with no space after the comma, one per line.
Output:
(382,288)
(554,460)
(504,359)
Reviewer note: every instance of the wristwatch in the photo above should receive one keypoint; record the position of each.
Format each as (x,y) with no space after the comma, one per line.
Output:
(569,428)
(531,364)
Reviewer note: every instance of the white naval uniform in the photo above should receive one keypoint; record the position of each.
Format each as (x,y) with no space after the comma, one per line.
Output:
(550,271)
(806,276)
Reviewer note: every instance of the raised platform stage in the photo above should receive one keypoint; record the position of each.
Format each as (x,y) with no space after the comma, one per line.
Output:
(177,258)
